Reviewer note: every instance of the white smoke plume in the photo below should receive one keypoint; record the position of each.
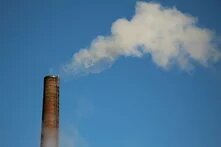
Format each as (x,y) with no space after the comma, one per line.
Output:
(169,36)
(72,138)
(50,137)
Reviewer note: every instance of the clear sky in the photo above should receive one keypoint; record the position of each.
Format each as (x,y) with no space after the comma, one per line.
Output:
(135,103)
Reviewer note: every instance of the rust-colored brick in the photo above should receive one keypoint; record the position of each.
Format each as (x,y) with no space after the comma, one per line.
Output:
(50,113)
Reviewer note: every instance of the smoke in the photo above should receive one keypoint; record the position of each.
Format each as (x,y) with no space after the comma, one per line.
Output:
(170,37)
(71,137)
(50,137)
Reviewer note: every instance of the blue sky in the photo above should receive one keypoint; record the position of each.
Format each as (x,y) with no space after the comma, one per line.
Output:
(135,103)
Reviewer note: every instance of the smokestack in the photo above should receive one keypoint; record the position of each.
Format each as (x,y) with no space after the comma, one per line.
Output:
(50,113)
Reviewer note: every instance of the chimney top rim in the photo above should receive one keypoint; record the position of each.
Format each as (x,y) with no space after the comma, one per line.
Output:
(51,76)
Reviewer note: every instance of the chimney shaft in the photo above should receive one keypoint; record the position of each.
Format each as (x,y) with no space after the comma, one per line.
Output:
(50,113)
